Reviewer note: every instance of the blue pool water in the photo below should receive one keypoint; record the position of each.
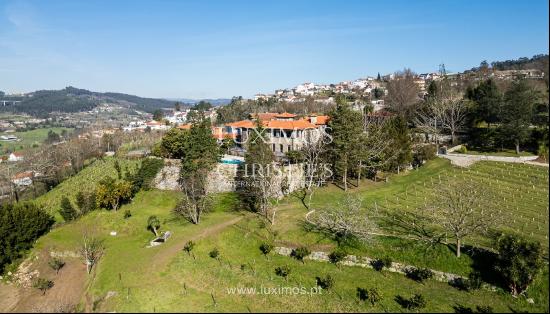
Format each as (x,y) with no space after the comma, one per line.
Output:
(232,161)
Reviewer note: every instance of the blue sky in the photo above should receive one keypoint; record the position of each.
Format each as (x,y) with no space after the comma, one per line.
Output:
(211,49)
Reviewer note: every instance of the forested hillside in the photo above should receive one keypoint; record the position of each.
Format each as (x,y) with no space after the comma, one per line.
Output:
(71,99)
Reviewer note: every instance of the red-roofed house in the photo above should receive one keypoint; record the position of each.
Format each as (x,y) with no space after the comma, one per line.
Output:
(15,156)
(23,178)
(285,131)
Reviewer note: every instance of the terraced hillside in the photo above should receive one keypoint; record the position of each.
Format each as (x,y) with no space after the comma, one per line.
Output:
(517,192)
(85,181)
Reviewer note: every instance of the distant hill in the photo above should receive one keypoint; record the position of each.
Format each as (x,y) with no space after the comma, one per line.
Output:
(215,102)
(538,62)
(71,99)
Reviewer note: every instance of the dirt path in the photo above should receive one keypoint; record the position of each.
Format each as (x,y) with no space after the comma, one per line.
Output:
(163,257)
(9,296)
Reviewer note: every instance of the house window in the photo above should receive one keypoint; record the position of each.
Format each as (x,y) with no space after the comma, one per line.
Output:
(274,147)
(289,148)
(282,148)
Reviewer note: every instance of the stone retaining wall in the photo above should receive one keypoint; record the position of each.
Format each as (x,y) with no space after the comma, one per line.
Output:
(366,262)
(223,177)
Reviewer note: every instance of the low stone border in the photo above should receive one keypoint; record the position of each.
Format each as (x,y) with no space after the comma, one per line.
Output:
(366,262)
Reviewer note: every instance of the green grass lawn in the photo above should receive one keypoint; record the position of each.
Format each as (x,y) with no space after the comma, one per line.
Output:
(86,180)
(165,278)
(503,153)
(29,138)
(204,284)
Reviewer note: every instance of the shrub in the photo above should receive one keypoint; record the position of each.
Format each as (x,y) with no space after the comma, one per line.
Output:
(146,173)
(326,282)
(81,201)
(300,253)
(266,248)
(337,256)
(188,247)
(419,274)
(474,280)
(460,284)
(424,153)
(42,284)
(215,253)
(484,309)
(67,210)
(417,301)
(127,214)
(20,225)
(479,309)
(518,262)
(371,295)
(56,264)
(381,263)
(283,271)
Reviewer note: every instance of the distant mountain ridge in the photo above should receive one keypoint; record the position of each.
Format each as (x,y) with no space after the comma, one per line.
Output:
(71,99)
(214,102)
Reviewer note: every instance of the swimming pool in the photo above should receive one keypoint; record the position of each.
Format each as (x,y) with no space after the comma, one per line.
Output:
(231,161)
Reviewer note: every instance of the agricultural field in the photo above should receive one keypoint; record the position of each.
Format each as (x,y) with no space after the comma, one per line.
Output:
(29,138)
(519,192)
(85,181)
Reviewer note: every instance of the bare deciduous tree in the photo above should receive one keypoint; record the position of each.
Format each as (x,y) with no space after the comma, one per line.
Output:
(459,212)
(451,113)
(195,200)
(315,171)
(426,120)
(402,92)
(347,219)
(91,249)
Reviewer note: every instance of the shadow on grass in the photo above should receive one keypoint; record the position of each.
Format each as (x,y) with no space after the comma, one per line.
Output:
(483,262)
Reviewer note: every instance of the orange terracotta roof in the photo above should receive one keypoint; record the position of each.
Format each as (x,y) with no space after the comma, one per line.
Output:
(22,175)
(289,125)
(185,126)
(285,115)
(243,124)
(321,120)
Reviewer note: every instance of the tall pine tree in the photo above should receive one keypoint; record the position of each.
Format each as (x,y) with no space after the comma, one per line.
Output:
(67,210)
(346,128)
(517,113)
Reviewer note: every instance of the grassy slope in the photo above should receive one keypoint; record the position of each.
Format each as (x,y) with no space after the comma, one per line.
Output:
(519,191)
(29,138)
(155,279)
(85,181)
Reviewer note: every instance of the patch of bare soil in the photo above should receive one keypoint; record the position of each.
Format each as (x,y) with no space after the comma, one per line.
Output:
(9,296)
(64,296)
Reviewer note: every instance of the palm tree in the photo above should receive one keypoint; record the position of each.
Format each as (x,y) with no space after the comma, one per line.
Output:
(153,224)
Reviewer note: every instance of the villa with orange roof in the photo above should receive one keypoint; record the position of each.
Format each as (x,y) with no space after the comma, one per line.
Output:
(285,131)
